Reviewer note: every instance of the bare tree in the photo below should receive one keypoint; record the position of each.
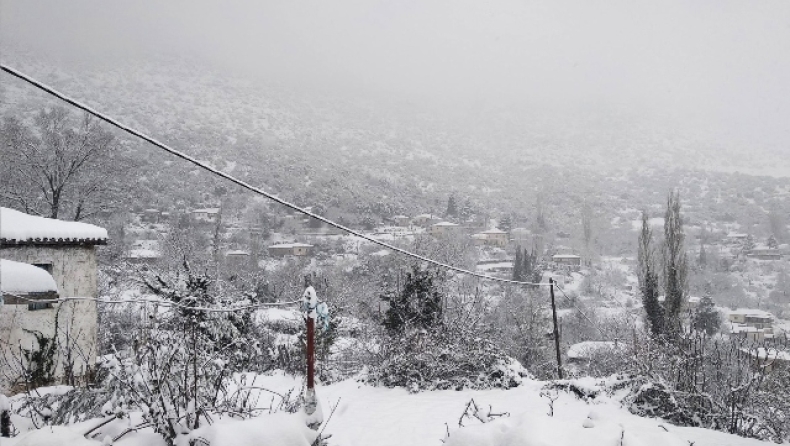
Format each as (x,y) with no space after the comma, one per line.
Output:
(57,168)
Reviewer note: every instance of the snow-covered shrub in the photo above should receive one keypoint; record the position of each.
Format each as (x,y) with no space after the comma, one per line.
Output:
(423,360)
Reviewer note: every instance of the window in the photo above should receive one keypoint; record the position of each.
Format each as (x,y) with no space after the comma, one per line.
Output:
(34,306)
(45,266)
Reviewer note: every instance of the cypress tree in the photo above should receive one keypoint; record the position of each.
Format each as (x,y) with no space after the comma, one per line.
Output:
(675,266)
(648,280)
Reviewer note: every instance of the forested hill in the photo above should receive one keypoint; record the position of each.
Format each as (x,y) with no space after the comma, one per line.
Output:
(357,158)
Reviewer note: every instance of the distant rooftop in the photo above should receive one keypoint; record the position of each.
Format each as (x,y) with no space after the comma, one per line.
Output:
(18,228)
(291,245)
(494,231)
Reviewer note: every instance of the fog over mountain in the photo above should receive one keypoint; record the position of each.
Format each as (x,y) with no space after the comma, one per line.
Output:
(711,70)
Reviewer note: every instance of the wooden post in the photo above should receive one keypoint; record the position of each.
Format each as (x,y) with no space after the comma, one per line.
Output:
(311,407)
(310,353)
(556,329)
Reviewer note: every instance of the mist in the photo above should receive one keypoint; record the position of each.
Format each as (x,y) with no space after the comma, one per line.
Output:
(721,65)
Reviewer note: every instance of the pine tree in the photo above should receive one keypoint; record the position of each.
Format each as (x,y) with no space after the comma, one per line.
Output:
(703,256)
(707,318)
(648,280)
(772,242)
(417,305)
(675,266)
(452,207)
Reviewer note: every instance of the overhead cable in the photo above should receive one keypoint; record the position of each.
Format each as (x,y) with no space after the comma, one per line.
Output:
(248,186)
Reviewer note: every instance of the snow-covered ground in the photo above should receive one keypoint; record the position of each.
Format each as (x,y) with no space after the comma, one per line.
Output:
(361,415)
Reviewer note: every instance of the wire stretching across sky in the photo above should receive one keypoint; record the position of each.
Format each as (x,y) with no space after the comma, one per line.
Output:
(246,185)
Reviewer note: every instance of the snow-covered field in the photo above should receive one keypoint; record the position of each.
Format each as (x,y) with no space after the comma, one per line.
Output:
(361,415)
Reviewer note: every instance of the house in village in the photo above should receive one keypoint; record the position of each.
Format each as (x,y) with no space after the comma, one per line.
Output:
(290,249)
(491,237)
(150,216)
(65,251)
(571,262)
(144,252)
(237,258)
(401,220)
(765,254)
(206,215)
(444,228)
(425,220)
(755,325)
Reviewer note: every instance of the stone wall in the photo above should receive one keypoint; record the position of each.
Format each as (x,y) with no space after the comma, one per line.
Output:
(75,271)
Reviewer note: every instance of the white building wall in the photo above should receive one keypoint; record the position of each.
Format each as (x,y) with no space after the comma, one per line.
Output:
(74,269)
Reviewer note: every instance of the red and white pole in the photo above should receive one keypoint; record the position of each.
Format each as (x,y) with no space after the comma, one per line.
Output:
(311,407)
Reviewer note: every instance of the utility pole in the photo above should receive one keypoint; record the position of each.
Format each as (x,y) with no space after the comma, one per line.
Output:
(311,407)
(556,329)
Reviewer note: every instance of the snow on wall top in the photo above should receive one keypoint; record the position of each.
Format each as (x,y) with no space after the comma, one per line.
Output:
(23,278)
(20,228)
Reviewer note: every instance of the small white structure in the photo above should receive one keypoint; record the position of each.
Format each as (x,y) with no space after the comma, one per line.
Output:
(206,215)
(753,324)
(144,252)
(444,228)
(66,252)
(569,261)
(491,237)
(290,249)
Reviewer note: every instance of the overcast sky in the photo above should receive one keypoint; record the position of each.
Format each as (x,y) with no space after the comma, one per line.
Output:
(721,62)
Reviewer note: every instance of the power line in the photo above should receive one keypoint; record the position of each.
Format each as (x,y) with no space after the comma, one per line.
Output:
(163,303)
(246,185)
(581,312)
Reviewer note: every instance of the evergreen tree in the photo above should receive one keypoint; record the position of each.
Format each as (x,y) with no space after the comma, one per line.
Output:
(675,266)
(517,264)
(748,244)
(707,318)
(648,280)
(772,242)
(505,223)
(466,211)
(703,256)
(452,207)
(417,305)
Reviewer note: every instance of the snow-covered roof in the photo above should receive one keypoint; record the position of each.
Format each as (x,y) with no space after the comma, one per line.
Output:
(237,252)
(494,231)
(445,223)
(206,211)
(291,245)
(583,350)
(565,256)
(751,312)
(399,217)
(18,228)
(23,278)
